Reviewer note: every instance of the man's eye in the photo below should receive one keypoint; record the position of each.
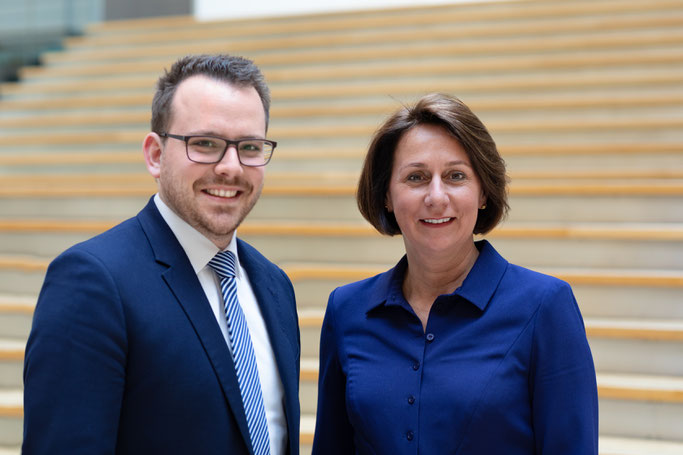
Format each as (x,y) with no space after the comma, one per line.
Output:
(204,143)
(250,147)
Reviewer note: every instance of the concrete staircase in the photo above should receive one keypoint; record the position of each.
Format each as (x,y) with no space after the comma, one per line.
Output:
(584,98)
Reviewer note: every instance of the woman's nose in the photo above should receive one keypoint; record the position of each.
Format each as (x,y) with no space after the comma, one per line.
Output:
(436,195)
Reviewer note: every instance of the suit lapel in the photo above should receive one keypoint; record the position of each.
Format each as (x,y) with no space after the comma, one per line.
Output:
(183,283)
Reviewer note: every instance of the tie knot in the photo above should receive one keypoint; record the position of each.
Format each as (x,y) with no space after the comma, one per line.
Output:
(223,264)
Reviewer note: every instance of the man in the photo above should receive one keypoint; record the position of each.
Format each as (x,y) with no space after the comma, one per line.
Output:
(138,339)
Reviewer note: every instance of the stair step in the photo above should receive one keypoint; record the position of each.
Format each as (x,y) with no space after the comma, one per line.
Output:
(521,105)
(377,62)
(641,387)
(11,366)
(95,92)
(307,229)
(601,293)
(666,389)
(213,39)
(657,396)
(11,402)
(585,127)
(622,246)
(536,151)
(629,446)
(605,50)
(618,345)
(636,346)
(580,203)
(213,42)
(369,19)
(609,161)
(17,315)
(595,327)
(103,186)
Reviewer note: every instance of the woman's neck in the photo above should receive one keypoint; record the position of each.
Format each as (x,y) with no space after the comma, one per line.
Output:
(431,275)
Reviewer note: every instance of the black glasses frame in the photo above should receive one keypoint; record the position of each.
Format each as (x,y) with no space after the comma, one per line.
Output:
(228,143)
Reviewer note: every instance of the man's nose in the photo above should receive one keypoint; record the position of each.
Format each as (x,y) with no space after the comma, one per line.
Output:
(230,163)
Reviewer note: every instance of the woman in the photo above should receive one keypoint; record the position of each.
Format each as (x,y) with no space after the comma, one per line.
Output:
(454,350)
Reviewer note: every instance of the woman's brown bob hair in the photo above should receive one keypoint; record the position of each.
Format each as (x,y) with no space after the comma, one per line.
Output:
(456,118)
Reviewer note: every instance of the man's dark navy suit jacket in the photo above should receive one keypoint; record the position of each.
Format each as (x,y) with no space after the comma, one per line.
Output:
(125,355)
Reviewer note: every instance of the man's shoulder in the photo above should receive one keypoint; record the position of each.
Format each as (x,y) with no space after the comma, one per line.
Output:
(252,260)
(120,241)
(248,253)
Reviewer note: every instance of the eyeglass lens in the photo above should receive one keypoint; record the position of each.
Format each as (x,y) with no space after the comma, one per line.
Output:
(251,152)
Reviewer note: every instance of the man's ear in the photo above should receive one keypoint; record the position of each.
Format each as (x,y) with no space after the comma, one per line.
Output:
(151,147)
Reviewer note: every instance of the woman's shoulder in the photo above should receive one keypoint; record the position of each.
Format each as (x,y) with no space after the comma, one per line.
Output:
(526,276)
(362,287)
(531,290)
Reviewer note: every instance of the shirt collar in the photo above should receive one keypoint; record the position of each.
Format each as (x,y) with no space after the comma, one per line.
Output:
(478,288)
(199,249)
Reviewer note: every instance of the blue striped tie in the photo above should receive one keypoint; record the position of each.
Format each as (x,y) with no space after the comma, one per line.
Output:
(243,354)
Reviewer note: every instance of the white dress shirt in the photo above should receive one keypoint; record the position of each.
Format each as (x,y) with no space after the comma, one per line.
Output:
(200,251)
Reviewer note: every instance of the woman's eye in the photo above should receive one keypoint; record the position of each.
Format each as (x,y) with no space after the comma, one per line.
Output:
(456,176)
(414,178)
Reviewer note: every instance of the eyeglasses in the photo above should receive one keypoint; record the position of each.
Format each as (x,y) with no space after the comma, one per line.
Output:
(211,149)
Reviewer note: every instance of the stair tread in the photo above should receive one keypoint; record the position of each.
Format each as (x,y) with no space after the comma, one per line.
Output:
(17,301)
(665,188)
(658,382)
(476,11)
(114,156)
(630,386)
(612,445)
(11,344)
(11,398)
(63,90)
(641,381)
(351,62)
(98,117)
(345,47)
(653,176)
(312,317)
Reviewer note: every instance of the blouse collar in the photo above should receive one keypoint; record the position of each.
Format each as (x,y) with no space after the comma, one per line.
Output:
(478,288)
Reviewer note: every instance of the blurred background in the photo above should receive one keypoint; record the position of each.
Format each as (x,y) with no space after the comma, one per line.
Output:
(584,98)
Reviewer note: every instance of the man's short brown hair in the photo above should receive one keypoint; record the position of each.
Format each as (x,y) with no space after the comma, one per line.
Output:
(237,71)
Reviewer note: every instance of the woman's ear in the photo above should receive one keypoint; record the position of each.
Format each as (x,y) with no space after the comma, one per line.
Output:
(387,203)
(151,147)
(482,201)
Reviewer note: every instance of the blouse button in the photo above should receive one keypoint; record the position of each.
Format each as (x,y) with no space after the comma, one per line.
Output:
(430,337)
(416,366)
(410,435)
(411,399)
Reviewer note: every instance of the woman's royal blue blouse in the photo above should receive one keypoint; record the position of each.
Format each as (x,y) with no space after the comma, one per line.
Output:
(503,367)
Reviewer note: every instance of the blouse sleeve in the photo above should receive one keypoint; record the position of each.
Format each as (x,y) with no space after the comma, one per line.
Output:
(333,431)
(564,389)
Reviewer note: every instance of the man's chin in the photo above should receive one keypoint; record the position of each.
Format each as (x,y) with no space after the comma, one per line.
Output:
(217,228)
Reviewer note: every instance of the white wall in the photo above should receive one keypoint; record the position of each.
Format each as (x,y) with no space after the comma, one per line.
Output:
(226,9)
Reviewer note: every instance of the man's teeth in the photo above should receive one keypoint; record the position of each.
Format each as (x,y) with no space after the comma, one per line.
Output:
(222,193)
(437,221)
